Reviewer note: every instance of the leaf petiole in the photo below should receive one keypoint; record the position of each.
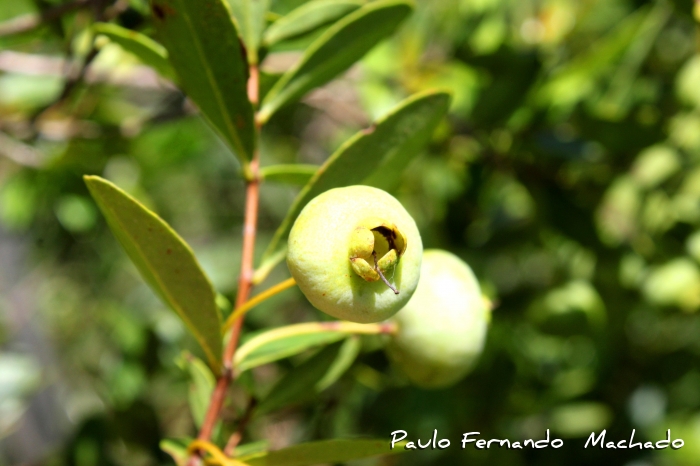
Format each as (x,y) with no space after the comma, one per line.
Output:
(251,303)
(217,455)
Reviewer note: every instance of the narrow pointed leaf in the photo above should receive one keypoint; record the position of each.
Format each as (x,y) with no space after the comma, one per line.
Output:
(384,149)
(336,50)
(146,49)
(263,350)
(202,382)
(283,342)
(204,48)
(296,174)
(267,82)
(165,261)
(297,385)
(252,448)
(177,449)
(349,351)
(250,18)
(322,452)
(305,382)
(309,17)
(268,263)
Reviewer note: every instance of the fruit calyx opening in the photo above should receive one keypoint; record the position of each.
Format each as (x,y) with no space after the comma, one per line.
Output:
(375,249)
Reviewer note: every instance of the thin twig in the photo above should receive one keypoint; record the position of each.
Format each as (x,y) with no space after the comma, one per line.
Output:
(244,286)
(237,436)
(26,23)
(76,75)
(19,152)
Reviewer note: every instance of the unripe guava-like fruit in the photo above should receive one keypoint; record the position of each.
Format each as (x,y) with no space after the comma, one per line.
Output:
(355,253)
(442,329)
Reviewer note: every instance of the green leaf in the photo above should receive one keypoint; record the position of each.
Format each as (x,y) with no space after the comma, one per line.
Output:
(616,101)
(268,263)
(346,356)
(202,383)
(299,44)
(250,18)
(336,50)
(410,132)
(578,79)
(252,448)
(385,149)
(277,344)
(298,385)
(308,17)
(267,82)
(177,449)
(204,49)
(326,451)
(165,261)
(312,376)
(297,174)
(146,49)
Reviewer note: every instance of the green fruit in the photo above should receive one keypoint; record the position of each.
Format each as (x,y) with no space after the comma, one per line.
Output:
(334,244)
(442,329)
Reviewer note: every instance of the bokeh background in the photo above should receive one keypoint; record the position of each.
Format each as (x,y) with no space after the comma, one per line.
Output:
(567,175)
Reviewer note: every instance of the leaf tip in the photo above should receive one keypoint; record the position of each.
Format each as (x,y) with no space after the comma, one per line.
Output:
(411,4)
(91,180)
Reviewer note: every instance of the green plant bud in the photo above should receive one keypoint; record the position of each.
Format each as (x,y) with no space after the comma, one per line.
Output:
(442,329)
(355,253)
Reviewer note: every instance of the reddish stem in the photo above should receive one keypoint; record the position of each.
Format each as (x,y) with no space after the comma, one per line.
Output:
(245,283)
(254,85)
(244,287)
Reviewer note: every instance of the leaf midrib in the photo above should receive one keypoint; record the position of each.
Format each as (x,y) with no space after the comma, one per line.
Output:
(169,298)
(212,80)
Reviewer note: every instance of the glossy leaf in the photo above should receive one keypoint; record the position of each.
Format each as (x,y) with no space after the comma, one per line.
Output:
(296,174)
(204,48)
(146,49)
(250,19)
(410,133)
(312,376)
(335,51)
(274,345)
(384,149)
(327,451)
(283,342)
(308,17)
(165,261)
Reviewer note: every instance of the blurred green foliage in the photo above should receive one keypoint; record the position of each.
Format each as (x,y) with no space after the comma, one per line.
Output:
(567,175)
